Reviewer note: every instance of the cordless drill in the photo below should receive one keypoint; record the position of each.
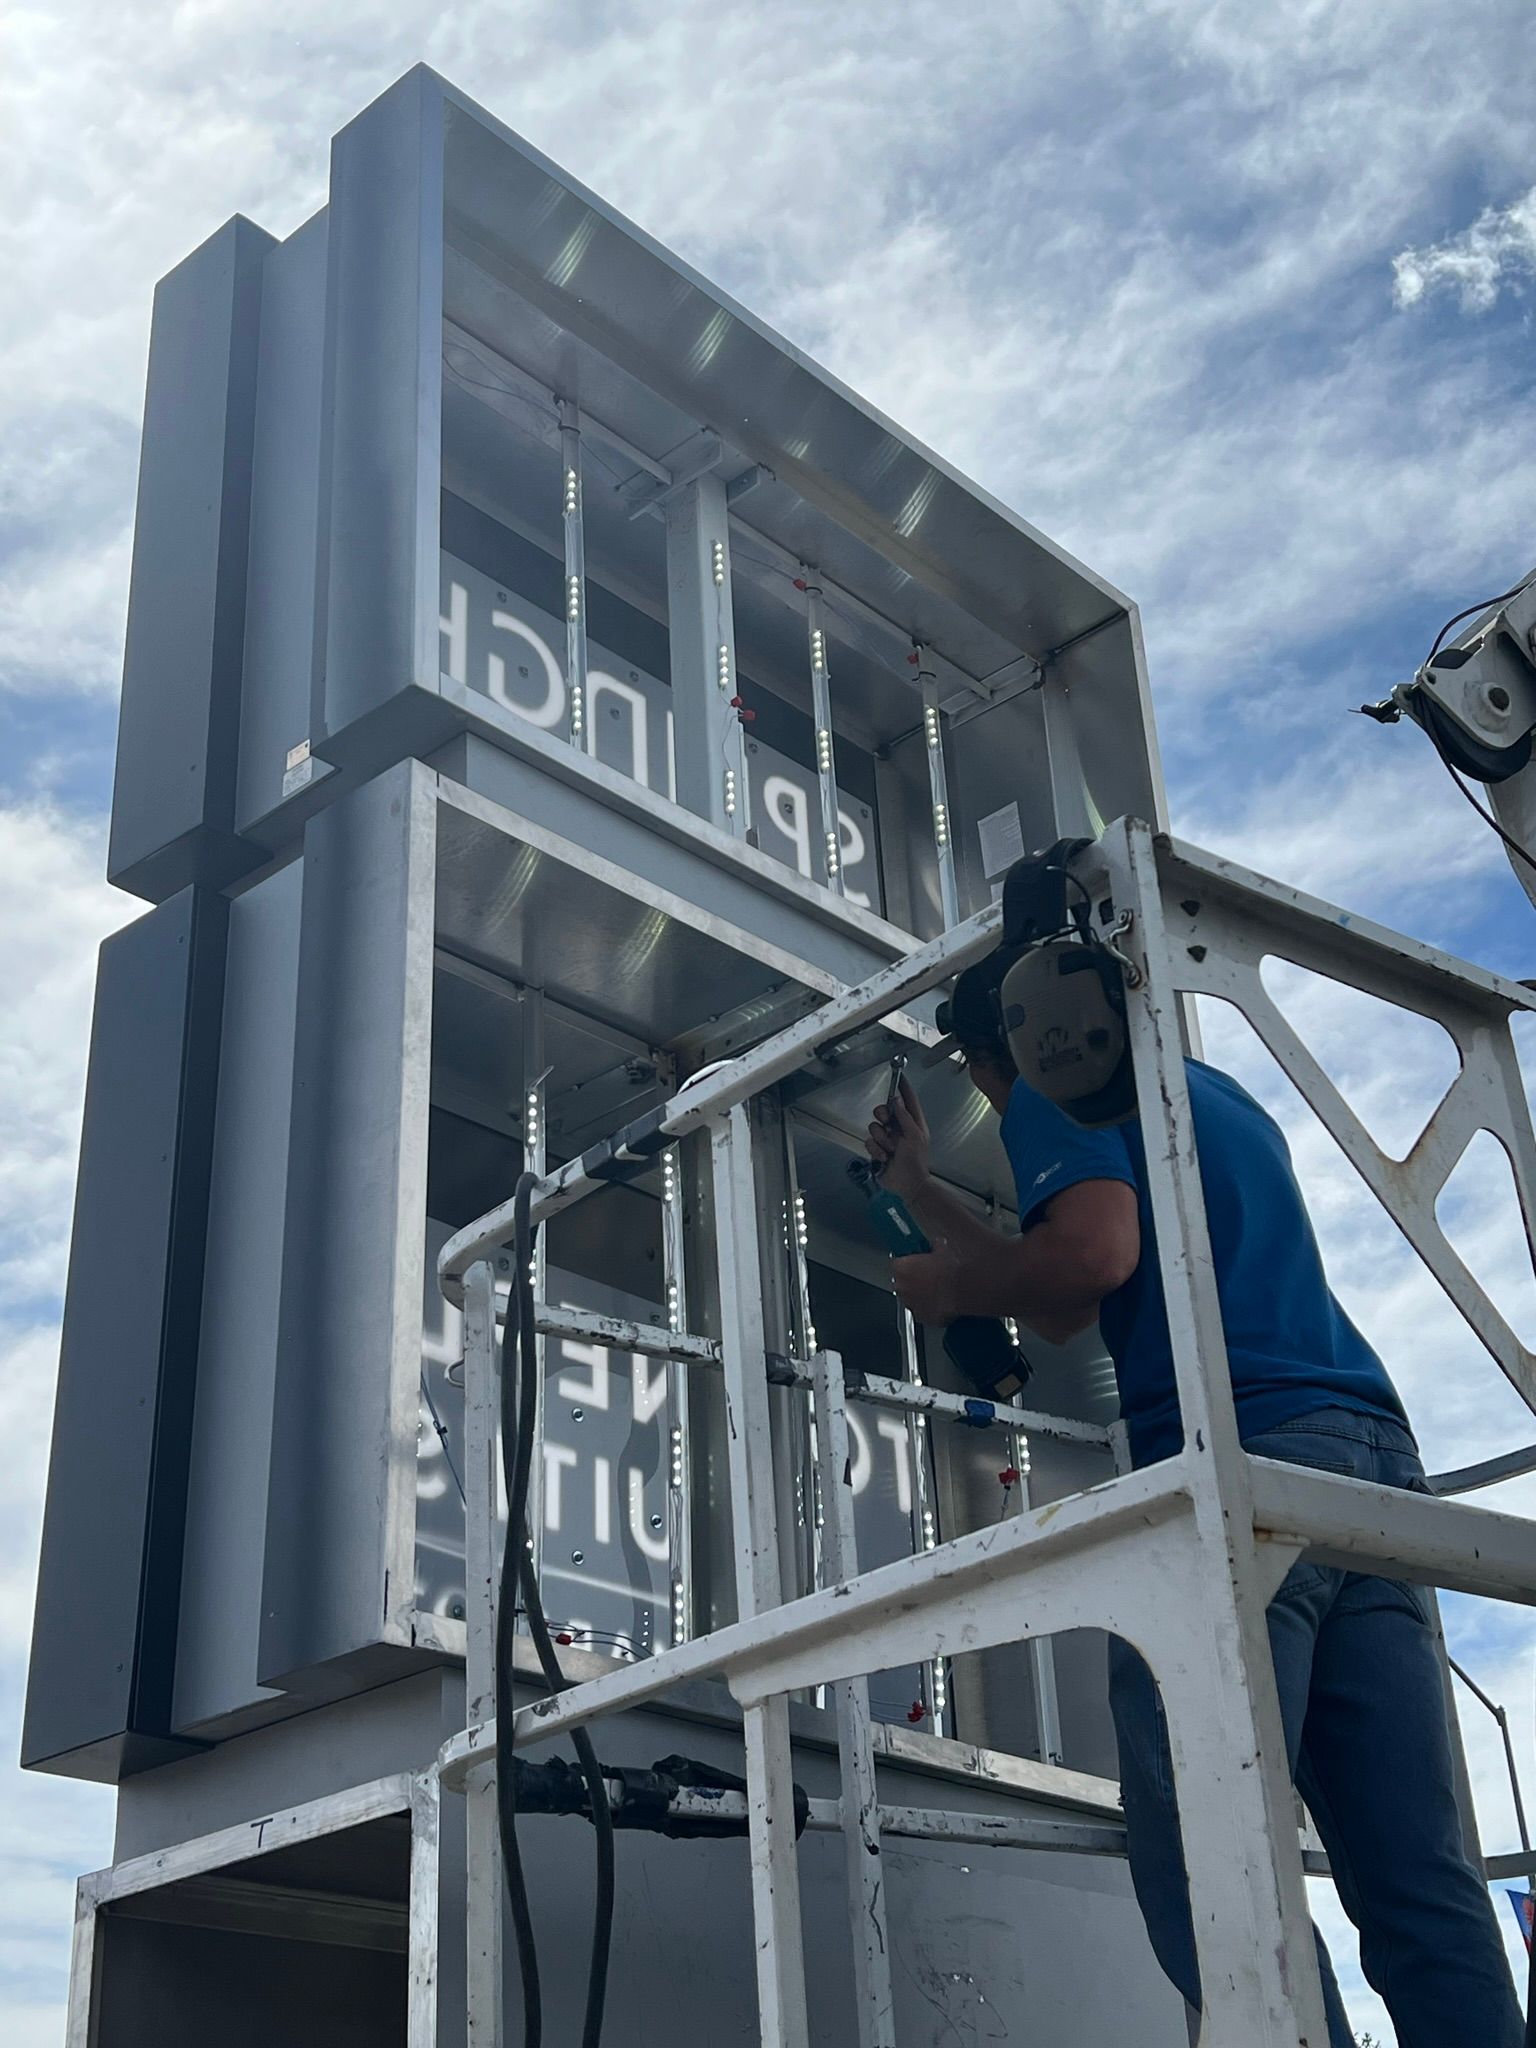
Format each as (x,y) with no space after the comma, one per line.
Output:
(979,1347)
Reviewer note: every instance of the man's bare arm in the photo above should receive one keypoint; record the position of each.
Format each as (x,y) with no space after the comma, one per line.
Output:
(1052,1277)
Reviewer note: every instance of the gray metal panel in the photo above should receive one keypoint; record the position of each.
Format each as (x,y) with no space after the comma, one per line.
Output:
(285,508)
(381,447)
(725,893)
(173,798)
(104,1643)
(338,1564)
(237,1358)
(374,1734)
(627,299)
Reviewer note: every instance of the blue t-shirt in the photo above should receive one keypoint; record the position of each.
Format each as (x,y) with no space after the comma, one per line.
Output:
(1291,1347)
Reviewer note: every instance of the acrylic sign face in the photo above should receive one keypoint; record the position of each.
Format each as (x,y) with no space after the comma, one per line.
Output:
(494,640)
(614,1482)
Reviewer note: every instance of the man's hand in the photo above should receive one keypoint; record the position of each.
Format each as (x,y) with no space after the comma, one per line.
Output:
(898,1144)
(928,1285)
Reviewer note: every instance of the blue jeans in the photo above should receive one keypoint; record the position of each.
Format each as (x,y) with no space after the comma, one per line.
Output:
(1362,1698)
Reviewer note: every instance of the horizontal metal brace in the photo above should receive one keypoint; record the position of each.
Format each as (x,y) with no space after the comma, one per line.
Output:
(1335,1520)
(721,1812)
(240,1843)
(828,1624)
(1355,1526)
(1364,949)
(977,1414)
(982,1830)
(617,1333)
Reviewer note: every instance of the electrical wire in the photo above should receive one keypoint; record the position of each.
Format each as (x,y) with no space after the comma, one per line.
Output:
(543,412)
(1486,604)
(1083,924)
(519,1395)
(442,1436)
(516,1466)
(1487,816)
(1472,610)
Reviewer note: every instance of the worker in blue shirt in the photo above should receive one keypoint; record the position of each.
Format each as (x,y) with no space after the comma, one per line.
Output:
(1357,1662)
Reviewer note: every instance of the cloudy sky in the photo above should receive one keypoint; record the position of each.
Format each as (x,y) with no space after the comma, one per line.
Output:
(1234,302)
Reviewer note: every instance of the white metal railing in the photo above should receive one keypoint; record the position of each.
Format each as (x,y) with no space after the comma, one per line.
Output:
(1180,1559)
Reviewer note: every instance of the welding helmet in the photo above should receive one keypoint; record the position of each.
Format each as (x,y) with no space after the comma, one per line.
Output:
(1051,995)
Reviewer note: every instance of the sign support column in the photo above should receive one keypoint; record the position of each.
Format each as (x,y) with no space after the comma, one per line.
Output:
(709,740)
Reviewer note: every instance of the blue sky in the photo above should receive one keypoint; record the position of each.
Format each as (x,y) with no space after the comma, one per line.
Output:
(1235,303)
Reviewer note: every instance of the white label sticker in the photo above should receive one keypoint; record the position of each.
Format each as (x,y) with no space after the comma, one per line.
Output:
(1002,839)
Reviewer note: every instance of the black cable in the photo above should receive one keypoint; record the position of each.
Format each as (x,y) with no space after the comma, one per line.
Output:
(1084,924)
(1487,816)
(517,1413)
(516,1465)
(1485,605)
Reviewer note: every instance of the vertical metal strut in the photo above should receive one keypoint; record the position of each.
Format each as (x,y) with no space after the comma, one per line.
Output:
(535,1154)
(679,1508)
(575,573)
(482,1563)
(938,788)
(821,712)
(709,738)
(770,1784)
(1042,1656)
(850,1702)
(1258,1963)
(925,1529)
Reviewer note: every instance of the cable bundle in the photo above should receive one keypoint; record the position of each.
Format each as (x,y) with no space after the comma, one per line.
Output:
(519,1404)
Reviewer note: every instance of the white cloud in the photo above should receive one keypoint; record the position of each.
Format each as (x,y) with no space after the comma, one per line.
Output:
(1498,250)
(54,910)
(1119,266)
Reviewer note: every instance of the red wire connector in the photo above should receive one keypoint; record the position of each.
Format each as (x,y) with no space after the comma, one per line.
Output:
(800,583)
(565,1639)
(917,1712)
(1009,1476)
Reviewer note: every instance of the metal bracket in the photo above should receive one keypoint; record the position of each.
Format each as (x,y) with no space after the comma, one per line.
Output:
(694,458)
